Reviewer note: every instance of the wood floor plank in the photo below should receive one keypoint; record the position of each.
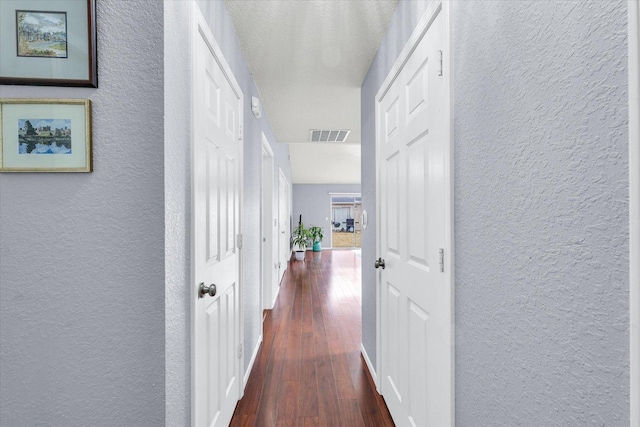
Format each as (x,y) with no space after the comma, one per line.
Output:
(243,421)
(293,355)
(342,377)
(309,371)
(350,413)
(308,398)
(249,403)
(309,422)
(288,404)
(268,404)
(327,394)
(306,323)
(371,411)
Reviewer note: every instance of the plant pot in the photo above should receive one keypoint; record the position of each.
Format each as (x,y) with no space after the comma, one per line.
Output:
(300,255)
(317,246)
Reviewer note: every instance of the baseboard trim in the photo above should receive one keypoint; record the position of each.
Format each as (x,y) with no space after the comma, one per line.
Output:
(247,372)
(372,371)
(275,297)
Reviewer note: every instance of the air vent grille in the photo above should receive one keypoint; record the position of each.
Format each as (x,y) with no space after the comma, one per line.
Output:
(329,135)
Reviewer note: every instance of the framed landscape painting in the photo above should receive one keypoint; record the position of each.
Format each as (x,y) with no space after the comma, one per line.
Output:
(45,135)
(48,42)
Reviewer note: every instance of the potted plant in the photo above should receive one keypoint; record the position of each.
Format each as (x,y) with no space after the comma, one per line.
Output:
(316,235)
(299,240)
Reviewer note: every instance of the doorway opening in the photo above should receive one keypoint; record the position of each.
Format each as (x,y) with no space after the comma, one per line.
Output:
(346,221)
(269,231)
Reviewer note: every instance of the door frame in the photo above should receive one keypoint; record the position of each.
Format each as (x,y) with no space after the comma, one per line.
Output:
(200,28)
(283,178)
(331,196)
(634,207)
(429,15)
(266,209)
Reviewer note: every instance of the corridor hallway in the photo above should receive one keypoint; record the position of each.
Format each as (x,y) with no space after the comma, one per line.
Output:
(309,371)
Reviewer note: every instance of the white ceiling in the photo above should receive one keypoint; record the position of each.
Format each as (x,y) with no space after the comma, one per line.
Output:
(308,59)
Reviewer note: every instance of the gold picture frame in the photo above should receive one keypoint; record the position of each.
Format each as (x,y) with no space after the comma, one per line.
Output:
(45,135)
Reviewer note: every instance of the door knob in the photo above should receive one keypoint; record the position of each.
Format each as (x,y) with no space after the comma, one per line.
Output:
(204,290)
(380,263)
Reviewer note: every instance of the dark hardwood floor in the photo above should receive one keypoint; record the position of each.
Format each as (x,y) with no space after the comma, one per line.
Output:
(309,371)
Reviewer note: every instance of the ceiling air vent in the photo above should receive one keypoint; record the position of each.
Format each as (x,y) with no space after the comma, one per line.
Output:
(329,135)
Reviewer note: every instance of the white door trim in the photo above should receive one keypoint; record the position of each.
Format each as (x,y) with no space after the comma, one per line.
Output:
(282,257)
(267,289)
(634,207)
(200,28)
(430,14)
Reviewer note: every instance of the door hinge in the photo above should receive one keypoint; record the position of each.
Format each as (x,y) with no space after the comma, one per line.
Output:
(240,350)
(239,242)
(440,63)
(441,252)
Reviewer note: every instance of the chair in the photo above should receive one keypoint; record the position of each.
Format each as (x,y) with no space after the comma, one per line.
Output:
(350,225)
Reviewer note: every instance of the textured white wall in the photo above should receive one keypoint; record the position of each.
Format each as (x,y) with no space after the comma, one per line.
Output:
(541,196)
(541,209)
(177,87)
(82,255)
(634,202)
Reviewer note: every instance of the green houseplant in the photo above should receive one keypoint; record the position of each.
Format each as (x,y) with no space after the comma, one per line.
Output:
(316,235)
(299,240)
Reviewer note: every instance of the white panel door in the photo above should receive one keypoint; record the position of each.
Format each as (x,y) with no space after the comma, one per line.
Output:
(283,225)
(416,363)
(217,157)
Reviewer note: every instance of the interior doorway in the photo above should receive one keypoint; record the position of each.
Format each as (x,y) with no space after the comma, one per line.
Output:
(269,230)
(346,221)
(284,221)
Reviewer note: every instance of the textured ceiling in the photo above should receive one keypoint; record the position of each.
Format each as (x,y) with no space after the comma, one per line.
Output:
(308,59)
